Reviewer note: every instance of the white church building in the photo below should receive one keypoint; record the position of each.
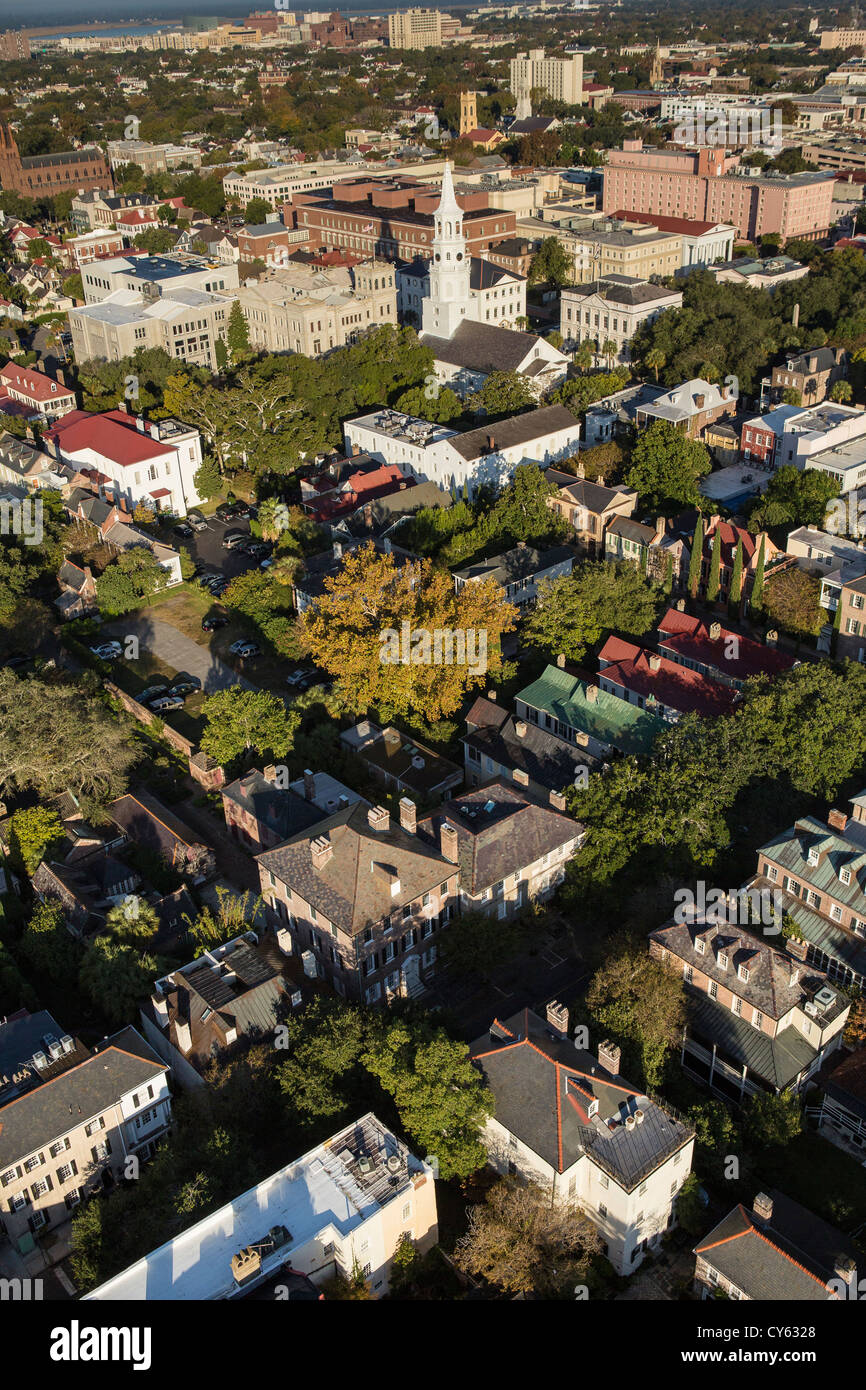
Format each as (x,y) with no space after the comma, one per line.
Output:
(468,326)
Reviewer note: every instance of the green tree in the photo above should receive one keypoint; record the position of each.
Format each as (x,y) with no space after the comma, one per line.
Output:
(116,977)
(503,393)
(665,468)
(134,922)
(237,332)
(640,1003)
(323,1065)
(258,212)
(57,738)
(440,1096)
(47,946)
(73,287)
(135,575)
(772,1120)
(736,592)
(696,557)
(478,944)
(714,580)
(207,479)
(756,598)
(841,392)
(34,833)
(238,720)
(792,600)
(691,1210)
(551,263)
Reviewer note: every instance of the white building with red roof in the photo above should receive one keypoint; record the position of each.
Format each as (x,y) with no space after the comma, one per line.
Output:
(703,242)
(659,685)
(41,396)
(136,460)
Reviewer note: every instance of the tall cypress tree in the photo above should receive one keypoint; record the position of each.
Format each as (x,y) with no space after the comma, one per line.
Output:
(715,568)
(669,573)
(697,556)
(736,580)
(757,598)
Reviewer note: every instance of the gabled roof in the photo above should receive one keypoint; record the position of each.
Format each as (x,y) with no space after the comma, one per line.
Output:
(604,717)
(595,497)
(544,1089)
(689,637)
(113,435)
(630,667)
(484,347)
(73,1097)
(531,426)
(789,1257)
(547,760)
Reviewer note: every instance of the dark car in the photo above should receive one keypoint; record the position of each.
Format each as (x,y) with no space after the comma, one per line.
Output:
(152,693)
(225,512)
(234,540)
(165,702)
(242,511)
(257,549)
(211,623)
(208,577)
(183,530)
(181,688)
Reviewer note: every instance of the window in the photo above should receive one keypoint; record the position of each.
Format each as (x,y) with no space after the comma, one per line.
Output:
(59,1147)
(836,912)
(73,1197)
(604,1182)
(845,876)
(813,856)
(713,989)
(21,1199)
(10,1175)
(772,873)
(69,1170)
(41,1188)
(757,1018)
(94,1126)
(688,974)
(602,1209)
(700,945)
(407,1211)
(34,1162)
(737,1004)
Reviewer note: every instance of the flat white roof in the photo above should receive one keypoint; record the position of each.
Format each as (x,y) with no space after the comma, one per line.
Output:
(322,1189)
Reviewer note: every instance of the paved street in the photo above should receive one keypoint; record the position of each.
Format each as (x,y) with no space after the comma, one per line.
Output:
(179,652)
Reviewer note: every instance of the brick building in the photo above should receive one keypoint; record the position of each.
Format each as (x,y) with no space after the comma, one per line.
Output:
(44,175)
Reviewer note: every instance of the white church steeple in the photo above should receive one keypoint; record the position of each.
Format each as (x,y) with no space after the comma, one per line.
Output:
(450,299)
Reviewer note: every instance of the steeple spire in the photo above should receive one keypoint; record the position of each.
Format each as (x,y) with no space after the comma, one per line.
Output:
(448,204)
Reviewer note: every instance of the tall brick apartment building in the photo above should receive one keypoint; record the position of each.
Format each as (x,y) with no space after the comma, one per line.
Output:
(44,175)
(706,184)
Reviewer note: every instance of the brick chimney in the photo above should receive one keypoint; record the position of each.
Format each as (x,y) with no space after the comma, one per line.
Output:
(309,785)
(321,851)
(379,819)
(609,1056)
(448,842)
(557,801)
(557,1018)
(763,1207)
(837,820)
(715,631)
(520,728)
(270,773)
(408,815)
(655,662)
(798,949)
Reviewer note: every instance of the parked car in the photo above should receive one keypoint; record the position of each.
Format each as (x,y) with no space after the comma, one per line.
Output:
(15,660)
(183,530)
(265,564)
(208,578)
(165,702)
(257,549)
(234,540)
(107,651)
(298,678)
(210,624)
(152,693)
(182,688)
(243,647)
(242,511)
(225,512)
(196,521)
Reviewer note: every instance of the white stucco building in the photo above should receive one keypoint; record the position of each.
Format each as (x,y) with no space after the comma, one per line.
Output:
(566,1120)
(490,454)
(612,310)
(127,458)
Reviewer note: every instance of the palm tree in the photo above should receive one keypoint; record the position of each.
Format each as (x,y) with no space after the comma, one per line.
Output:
(583,356)
(655,360)
(841,392)
(608,351)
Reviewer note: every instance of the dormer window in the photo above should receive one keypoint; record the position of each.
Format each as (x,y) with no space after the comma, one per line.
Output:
(722,960)
(813,856)
(743,973)
(700,945)
(845,876)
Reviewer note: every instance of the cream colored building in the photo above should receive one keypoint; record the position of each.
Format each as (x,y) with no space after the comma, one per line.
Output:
(349,1203)
(186,323)
(305,309)
(70,1122)
(559,78)
(415,29)
(611,310)
(633,249)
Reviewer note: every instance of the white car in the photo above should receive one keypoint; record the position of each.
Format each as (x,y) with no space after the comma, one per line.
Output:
(107,651)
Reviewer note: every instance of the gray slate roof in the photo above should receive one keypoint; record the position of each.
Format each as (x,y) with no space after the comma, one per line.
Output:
(57,1106)
(547,760)
(789,1257)
(500,829)
(542,1087)
(532,425)
(482,347)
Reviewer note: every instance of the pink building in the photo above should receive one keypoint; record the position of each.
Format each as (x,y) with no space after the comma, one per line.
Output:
(705,185)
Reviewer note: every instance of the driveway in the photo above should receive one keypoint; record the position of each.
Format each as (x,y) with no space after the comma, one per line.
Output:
(178,652)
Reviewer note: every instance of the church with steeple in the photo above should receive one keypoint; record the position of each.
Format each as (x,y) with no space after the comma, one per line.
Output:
(470,310)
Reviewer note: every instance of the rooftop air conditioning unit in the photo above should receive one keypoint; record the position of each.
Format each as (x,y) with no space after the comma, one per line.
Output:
(40,1061)
(393,1163)
(825,998)
(812,1009)
(67,1043)
(365,1163)
(55,1050)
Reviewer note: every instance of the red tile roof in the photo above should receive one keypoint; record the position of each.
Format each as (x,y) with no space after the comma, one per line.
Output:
(113,435)
(684,225)
(32,383)
(675,686)
(690,638)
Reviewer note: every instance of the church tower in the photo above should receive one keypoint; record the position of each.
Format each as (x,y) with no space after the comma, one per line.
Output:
(657,71)
(468,112)
(450,298)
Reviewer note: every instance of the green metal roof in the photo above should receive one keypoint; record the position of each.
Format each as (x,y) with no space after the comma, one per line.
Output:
(607,718)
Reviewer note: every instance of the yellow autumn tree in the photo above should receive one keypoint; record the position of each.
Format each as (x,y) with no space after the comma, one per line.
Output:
(401,639)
